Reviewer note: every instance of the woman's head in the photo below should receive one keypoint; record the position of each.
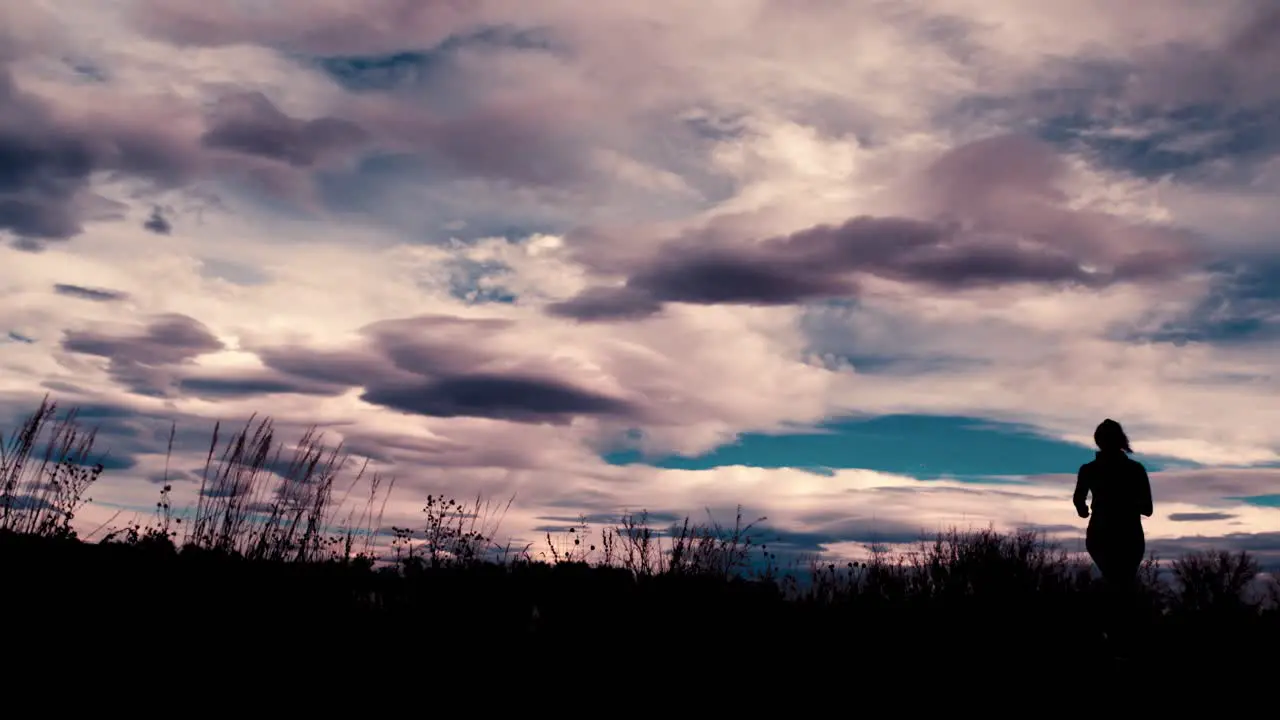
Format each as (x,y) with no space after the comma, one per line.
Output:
(1110,436)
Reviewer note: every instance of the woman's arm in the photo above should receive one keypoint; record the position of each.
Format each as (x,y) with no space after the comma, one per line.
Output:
(1081,495)
(1144,493)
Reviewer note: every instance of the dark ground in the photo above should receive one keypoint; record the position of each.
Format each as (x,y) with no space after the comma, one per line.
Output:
(197,613)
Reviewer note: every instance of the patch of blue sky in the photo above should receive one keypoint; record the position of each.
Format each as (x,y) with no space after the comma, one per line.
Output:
(1155,143)
(405,192)
(232,272)
(475,282)
(1265,501)
(418,66)
(927,447)
(1243,307)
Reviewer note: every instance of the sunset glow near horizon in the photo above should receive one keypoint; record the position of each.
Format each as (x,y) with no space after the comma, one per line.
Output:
(867,268)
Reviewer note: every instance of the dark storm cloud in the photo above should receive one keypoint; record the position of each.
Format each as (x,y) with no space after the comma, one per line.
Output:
(599,304)
(426,365)
(436,365)
(1264,546)
(157,223)
(1199,516)
(997,217)
(112,460)
(502,397)
(250,123)
(28,503)
(46,163)
(145,361)
(47,159)
(249,385)
(823,262)
(88,293)
(174,477)
(854,530)
(41,169)
(166,339)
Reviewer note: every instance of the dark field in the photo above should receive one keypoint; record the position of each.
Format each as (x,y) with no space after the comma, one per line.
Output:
(261,579)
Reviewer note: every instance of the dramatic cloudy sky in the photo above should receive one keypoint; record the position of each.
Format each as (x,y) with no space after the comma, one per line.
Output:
(865,267)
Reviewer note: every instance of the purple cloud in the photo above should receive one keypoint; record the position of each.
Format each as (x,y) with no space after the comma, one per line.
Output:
(165,340)
(1000,219)
(88,293)
(372,26)
(250,123)
(146,361)
(48,159)
(412,365)
(46,163)
(157,223)
(499,397)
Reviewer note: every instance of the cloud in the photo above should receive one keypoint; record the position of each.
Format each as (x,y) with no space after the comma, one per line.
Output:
(87,293)
(1233,68)
(867,531)
(1199,517)
(144,360)
(604,304)
(1173,99)
(48,163)
(511,398)
(249,385)
(415,369)
(330,28)
(1001,219)
(251,124)
(1264,546)
(53,148)
(167,339)
(158,223)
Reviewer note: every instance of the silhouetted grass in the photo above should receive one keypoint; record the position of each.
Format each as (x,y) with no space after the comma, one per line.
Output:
(268,559)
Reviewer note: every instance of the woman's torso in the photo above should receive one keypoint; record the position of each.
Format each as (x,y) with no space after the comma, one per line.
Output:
(1116,486)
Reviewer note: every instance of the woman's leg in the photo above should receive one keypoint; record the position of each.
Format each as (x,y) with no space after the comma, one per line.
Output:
(1118,553)
(1100,552)
(1129,549)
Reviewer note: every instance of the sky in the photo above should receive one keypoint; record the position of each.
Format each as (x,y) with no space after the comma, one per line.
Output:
(865,268)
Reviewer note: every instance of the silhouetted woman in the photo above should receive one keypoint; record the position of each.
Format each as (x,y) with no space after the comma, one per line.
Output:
(1121,496)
